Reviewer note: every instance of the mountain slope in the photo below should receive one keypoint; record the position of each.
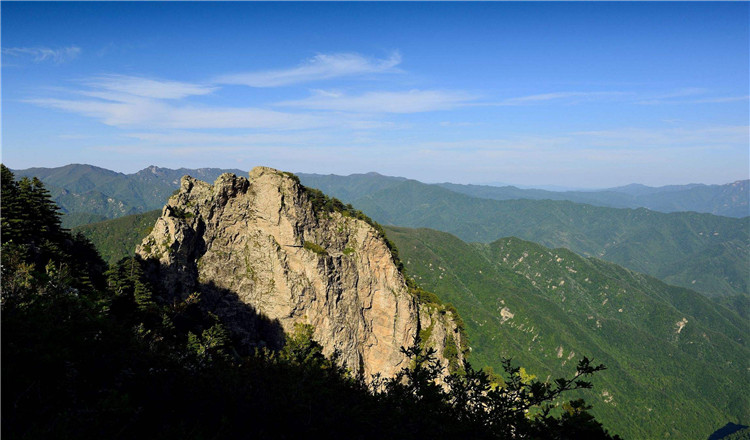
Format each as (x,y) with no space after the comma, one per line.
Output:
(117,238)
(731,199)
(547,307)
(642,240)
(86,192)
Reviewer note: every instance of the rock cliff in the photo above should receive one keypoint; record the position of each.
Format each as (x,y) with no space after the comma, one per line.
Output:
(264,258)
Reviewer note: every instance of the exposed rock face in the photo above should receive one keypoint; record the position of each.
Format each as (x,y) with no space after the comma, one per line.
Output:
(242,244)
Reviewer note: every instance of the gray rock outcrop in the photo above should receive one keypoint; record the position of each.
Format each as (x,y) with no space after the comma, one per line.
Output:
(257,248)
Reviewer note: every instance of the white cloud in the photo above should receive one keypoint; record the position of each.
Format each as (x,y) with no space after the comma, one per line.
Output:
(150,114)
(146,87)
(722,99)
(412,101)
(690,96)
(559,96)
(213,139)
(40,54)
(319,67)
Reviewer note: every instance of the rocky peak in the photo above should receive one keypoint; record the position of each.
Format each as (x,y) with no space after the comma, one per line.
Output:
(264,259)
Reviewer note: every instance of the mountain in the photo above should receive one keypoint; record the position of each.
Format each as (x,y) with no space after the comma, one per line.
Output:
(86,193)
(97,352)
(704,252)
(117,238)
(661,330)
(546,307)
(349,187)
(266,246)
(731,199)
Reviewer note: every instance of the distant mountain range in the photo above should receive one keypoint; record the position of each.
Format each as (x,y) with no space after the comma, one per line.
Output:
(731,199)
(87,193)
(704,252)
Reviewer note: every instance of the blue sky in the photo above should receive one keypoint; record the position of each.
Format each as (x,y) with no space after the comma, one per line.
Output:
(570,94)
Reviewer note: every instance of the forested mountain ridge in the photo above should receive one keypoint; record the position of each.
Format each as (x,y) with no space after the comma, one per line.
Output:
(731,199)
(87,193)
(668,246)
(544,306)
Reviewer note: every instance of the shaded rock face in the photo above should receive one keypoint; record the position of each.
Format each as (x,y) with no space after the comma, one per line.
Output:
(263,260)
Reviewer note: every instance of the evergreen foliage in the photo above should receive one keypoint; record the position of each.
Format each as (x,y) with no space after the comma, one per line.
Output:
(116,239)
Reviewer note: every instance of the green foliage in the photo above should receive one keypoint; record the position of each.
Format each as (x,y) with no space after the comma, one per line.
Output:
(470,405)
(310,246)
(539,305)
(180,212)
(117,239)
(301,349)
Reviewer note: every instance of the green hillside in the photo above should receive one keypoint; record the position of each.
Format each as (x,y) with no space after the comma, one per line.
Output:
(677,361)
(702,251)
(117,238)
(731,199)
(86,193)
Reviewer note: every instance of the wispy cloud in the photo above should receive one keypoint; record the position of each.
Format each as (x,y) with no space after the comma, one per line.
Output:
(144,103)
(411,101)
(151,114)
(319,67)
(147,87)
(560,97)
(722,99)
(41,54)
(208,140)
(690,95)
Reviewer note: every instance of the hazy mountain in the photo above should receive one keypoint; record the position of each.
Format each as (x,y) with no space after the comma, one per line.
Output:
(707,253)
(702,251)
(731,199)
(86,192)
(546,307)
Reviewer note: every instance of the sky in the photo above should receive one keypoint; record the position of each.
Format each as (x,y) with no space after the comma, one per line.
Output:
(579,95)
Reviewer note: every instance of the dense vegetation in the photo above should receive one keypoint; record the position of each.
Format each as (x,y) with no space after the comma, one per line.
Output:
(95,353)
(117,238)
(544,307)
